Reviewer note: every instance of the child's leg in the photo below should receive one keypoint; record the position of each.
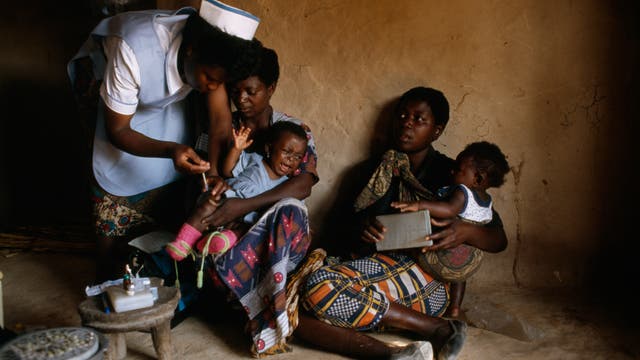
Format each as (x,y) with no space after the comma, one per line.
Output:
(219,242)
(179,248)
(207,204)
(192,229)
(456,291)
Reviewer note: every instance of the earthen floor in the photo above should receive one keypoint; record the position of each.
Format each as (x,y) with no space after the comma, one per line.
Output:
(44,289)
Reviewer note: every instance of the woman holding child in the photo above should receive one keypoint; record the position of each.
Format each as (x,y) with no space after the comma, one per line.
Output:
(256,270)
(390,289)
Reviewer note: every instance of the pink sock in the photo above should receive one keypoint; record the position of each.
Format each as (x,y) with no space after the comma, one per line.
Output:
(220,242)
(179,248)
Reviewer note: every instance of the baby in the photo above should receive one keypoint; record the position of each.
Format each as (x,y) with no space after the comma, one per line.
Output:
(481,165)
(285,148)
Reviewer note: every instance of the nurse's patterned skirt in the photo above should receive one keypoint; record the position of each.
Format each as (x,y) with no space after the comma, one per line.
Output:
(134,215)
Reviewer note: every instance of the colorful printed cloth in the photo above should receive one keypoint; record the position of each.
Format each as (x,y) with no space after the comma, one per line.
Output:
(256,270)
(393,164)
(312,262)
(116,215)
(356,294)
(123,215)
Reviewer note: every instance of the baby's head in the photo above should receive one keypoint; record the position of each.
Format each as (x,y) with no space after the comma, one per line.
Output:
(285,147)
(481,165)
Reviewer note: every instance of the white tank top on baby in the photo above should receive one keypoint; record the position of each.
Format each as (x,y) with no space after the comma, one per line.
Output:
(475,209)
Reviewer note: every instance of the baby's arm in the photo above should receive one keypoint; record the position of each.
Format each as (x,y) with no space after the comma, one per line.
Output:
(438,209)
(241,141)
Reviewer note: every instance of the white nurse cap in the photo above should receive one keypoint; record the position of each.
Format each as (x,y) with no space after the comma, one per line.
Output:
(231,20)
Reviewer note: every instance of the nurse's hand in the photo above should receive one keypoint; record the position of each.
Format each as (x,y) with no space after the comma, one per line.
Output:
(187,161)
(373,231)
(215,182)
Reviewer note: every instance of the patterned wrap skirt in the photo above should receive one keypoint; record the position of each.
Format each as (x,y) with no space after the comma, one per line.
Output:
(257,269)
(356,294)
(125,215)
(118,215)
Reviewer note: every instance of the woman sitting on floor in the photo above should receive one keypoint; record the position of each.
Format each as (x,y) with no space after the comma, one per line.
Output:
(390,289)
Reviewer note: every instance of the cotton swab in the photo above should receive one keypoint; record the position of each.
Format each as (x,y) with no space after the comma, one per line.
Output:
(204,182)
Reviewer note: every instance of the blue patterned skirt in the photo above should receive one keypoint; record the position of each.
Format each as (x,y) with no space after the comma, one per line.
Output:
(257,268)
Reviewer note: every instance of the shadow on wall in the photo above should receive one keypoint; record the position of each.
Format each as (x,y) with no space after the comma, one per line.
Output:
(341,233)
(45,158)
(382,130)
(615,269)
(44,161)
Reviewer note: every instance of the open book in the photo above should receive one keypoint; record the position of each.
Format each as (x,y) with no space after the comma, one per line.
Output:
(153,241)
(405,230)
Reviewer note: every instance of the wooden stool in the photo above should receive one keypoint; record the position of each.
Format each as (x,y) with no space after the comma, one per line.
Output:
(156,318)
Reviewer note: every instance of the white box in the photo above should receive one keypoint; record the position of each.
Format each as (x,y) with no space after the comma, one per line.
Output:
(122,302)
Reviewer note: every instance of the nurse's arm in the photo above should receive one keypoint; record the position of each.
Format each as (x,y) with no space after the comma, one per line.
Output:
(122,136)
(219,127)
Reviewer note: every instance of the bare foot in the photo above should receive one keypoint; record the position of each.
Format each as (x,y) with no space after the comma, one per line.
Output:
(417,350)
(207,205)
(449,339)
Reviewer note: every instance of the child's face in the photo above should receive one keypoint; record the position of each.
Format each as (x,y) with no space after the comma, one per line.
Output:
(415,127)
(465,172)
(287,153)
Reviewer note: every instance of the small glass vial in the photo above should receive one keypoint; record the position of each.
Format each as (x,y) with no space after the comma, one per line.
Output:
(127,281)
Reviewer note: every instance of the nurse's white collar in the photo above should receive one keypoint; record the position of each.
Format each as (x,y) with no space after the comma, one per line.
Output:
(174,81)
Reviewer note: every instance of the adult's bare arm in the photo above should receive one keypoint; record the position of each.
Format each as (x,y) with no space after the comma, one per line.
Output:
(455,232)
(121,135)
(298,187)
(219,127)
(230,161)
